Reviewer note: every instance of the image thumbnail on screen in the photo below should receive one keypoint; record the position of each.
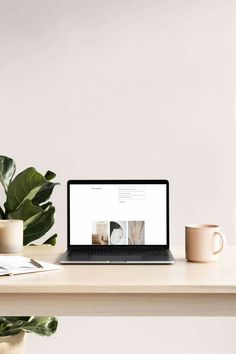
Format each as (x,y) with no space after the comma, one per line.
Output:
(99,233)
(118,233)
(136,233)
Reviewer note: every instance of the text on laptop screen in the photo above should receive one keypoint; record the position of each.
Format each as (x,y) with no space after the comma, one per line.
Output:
(118,214)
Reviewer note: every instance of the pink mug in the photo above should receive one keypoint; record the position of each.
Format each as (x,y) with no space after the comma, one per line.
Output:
(202,242)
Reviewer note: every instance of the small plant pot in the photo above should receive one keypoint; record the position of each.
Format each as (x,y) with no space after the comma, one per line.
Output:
(13,344)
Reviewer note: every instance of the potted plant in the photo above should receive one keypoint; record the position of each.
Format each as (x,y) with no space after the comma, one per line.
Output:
(13,331)
(27,199)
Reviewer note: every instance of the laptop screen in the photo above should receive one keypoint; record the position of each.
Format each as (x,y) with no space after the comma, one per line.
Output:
(118,214)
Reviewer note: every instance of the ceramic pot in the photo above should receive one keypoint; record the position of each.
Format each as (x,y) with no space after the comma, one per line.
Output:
(13,344)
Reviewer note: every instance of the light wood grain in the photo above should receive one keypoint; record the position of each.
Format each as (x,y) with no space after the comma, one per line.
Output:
(183,289)
(119,304)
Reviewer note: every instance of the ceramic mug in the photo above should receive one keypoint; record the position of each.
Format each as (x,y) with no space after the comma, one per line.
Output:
(11,236)
(202,242)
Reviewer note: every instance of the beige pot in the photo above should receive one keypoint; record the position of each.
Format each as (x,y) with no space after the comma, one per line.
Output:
(13,344)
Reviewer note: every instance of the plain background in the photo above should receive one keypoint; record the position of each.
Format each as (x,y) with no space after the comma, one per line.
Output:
(126,89)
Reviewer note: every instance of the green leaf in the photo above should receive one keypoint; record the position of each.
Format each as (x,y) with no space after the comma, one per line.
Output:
(42,325)
(24,186)
(44,206)
(12,325)
(51,240)
(7,170)
(18,318)
(2,214)
(26,211)
(44,193)
(28,199)
(49,175)
(39,225)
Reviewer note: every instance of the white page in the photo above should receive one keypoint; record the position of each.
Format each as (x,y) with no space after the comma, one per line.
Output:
(18,265)
(15,262)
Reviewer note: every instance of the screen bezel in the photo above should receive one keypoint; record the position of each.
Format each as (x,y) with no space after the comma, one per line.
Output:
(115,247)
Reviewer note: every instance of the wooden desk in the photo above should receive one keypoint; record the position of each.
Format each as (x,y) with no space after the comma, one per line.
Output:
(183,289)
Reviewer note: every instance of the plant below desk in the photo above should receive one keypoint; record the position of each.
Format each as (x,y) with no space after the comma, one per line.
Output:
(42,325)
(13,331)
(27,199)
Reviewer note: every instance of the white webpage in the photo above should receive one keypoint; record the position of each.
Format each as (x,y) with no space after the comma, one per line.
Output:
(118,214)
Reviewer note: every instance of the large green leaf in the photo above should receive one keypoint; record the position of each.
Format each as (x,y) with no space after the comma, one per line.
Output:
(7,170)
(44,193)
(25,212)
(39,225)
(37,221)
(24,186)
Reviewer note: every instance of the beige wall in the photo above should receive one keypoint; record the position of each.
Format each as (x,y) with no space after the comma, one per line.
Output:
(139,336)
(126,89)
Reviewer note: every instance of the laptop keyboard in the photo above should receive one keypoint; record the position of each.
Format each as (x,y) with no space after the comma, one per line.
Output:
(130,251)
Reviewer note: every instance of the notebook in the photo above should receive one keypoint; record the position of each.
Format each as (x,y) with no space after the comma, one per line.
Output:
(11,265)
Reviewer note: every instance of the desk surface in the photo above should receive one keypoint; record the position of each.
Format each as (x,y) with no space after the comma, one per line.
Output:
(180,289)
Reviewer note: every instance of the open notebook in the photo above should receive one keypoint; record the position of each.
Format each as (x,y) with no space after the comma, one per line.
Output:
(10,265)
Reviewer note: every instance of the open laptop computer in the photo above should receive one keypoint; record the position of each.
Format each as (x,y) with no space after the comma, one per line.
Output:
(118,222)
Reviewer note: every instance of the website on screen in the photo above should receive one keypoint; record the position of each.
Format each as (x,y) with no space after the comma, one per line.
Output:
(117,214)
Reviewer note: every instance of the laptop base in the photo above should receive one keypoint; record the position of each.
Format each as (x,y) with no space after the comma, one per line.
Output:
(159,257)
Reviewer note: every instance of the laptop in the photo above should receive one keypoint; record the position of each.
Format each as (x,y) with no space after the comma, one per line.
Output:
(118,222)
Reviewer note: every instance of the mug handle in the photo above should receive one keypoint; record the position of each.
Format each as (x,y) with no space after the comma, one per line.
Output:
(223,241)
